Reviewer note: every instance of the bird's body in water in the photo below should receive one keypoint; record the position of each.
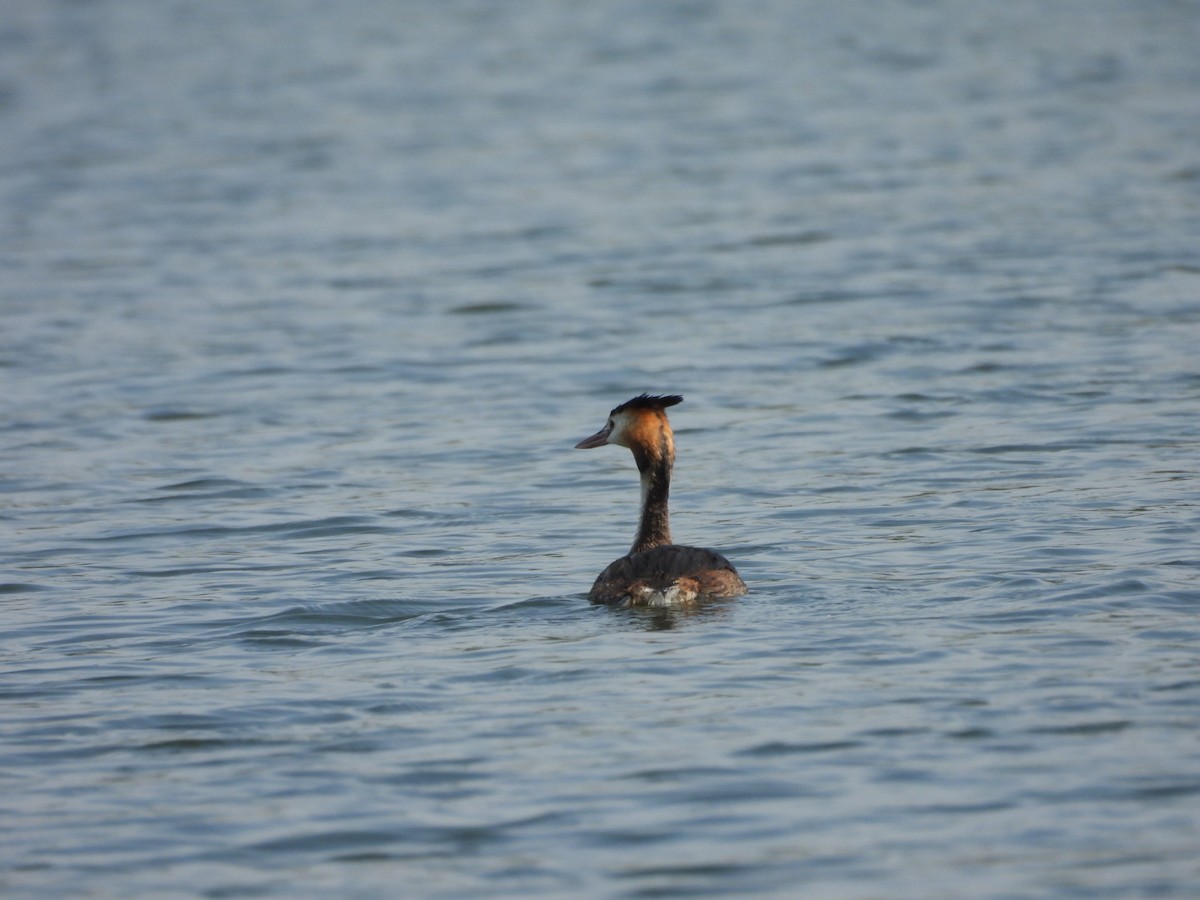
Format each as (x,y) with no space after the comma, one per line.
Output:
(656,572)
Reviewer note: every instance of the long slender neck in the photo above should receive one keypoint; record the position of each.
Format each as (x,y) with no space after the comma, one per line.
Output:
(655,526)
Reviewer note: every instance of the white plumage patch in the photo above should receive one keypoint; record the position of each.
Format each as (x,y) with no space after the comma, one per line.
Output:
(675,595)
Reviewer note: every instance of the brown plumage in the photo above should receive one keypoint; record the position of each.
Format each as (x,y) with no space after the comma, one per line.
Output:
(656,572)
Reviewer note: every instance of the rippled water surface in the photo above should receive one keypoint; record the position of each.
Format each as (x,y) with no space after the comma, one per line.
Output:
(303,306)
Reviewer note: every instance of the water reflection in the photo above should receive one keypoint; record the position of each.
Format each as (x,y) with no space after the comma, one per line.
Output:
(669,618)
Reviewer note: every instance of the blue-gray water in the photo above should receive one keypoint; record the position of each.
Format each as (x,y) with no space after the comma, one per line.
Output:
(303,305)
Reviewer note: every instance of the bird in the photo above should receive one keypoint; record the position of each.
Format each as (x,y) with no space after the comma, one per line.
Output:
(656,572)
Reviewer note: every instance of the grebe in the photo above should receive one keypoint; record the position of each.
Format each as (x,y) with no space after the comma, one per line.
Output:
(656,572)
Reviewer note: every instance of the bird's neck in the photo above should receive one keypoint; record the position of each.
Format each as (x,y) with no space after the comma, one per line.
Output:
(655,526)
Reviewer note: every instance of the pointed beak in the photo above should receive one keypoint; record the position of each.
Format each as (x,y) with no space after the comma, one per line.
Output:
(599,439)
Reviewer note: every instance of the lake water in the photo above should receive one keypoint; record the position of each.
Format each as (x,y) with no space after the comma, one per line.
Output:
(304,305)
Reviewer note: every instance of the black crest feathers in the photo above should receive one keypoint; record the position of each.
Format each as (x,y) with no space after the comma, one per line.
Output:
(645,401)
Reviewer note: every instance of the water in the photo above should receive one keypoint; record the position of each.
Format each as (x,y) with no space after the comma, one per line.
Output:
(304,308)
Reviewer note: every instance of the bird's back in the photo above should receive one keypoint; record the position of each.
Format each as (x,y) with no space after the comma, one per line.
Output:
(667,575)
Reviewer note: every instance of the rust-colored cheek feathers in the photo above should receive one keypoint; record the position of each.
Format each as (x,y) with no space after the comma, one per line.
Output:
(648,435)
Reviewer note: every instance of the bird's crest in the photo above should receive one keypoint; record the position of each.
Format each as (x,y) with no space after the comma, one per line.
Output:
(645,401)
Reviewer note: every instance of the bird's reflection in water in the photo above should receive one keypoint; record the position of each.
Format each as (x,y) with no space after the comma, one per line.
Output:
(666,618)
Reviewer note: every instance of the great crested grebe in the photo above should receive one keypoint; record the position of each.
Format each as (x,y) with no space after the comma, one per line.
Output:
(656,572)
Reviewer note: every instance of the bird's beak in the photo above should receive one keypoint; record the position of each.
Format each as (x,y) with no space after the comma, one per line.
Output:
(599,439)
